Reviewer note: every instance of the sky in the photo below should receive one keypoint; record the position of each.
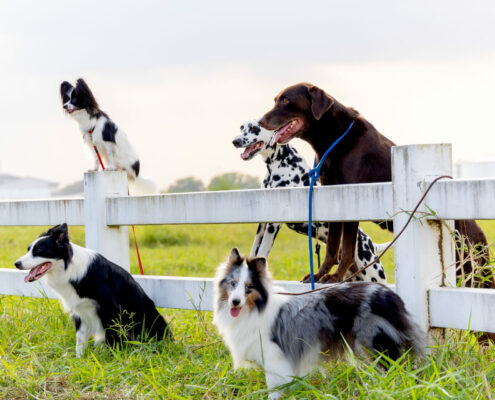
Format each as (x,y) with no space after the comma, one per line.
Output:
(180,77)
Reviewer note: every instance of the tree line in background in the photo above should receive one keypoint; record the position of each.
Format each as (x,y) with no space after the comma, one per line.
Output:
(227,181)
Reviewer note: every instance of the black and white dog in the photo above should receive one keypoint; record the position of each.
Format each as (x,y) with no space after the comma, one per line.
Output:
(288,335)
(103,299)
(99,130)
(286,168)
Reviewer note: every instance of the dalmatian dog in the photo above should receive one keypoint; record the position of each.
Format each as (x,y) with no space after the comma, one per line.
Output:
(286,168)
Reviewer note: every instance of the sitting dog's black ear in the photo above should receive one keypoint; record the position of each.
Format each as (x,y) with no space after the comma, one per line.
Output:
(64,88)
(85,95)
(60,234)
(235,257)
(320,102)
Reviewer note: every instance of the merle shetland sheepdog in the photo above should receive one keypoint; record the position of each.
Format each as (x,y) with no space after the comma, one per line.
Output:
(99,130)
(288,334)
(103,299)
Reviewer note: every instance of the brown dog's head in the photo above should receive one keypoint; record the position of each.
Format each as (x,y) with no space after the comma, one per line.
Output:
(295,109)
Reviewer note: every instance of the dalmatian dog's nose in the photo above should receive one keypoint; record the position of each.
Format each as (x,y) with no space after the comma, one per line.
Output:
(237,142)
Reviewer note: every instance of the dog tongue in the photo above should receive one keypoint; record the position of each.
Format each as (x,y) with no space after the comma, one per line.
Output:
(279,133)
(37,272)
(234,311)
(276,137)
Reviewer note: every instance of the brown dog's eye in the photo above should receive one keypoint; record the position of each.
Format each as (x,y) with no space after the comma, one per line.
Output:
(284,100)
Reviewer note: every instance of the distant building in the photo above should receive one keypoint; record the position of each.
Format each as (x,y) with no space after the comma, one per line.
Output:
(474,169)
(16,187)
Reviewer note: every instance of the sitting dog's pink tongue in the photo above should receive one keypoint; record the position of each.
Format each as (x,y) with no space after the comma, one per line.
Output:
(234,311)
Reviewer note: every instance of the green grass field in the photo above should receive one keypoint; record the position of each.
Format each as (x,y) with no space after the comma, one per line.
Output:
(37,357)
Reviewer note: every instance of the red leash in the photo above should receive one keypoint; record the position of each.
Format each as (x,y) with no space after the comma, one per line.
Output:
(132,226)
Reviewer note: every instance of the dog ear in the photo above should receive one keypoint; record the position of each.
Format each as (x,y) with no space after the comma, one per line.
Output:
(257,264)
(64,87)
(234,257)
(320,102)
(84,90)
(60,234)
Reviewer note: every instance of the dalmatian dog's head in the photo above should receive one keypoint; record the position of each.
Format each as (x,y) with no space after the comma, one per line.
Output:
(253,138)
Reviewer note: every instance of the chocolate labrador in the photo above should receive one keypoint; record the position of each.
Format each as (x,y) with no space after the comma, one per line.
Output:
(364,155)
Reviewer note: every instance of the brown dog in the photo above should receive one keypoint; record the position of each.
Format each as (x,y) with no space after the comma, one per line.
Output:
(364,155)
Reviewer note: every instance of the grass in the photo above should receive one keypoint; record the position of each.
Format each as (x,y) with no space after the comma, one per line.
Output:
(37,357)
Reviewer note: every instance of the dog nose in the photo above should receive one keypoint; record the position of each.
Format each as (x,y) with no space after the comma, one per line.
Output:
(236,302)
(237,142)
(262,122)
(66,106)
(18,264)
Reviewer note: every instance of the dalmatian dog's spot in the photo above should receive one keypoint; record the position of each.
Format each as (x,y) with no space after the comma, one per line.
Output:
(286,168)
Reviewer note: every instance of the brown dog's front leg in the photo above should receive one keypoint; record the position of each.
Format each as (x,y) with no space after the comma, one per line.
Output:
(349,239)
(332,251)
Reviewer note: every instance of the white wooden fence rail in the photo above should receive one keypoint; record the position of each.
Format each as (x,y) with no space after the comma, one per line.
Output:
(423,255)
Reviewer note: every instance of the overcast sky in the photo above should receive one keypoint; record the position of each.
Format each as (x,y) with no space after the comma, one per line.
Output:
(180,76)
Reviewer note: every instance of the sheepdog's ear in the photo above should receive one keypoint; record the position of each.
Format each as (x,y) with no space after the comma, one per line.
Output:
(257,264)
(235,257)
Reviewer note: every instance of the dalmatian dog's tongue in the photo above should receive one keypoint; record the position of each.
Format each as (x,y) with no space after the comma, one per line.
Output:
(37,272)
(234,311)
(250,149)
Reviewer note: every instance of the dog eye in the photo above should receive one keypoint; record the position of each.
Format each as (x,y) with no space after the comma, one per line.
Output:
(284,100)
(249,288)
(231,283)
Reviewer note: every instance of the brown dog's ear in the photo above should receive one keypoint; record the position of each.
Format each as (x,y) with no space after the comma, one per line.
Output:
(257,264)
(320,102)
(235,257)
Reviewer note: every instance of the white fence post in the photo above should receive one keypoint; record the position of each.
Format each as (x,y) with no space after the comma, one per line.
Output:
(110,241)
(424,254)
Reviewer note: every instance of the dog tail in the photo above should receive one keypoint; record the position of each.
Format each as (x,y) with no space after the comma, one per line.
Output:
(397,330)
(415,338)
(379,247)
(142,185)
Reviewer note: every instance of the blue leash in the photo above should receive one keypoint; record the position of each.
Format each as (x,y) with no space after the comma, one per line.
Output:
(314,175)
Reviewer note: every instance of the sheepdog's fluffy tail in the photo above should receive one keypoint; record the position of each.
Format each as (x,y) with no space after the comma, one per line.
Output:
(142,185)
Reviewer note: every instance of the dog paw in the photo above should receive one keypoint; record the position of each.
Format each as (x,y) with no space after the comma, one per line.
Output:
(330,278)
(307,278)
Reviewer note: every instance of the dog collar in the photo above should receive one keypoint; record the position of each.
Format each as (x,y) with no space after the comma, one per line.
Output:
(91,130)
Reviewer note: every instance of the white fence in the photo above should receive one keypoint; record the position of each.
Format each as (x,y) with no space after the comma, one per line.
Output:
(424,255)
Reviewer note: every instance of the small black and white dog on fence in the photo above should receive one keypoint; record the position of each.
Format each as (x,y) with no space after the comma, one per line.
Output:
(99,130)
(286,168)
(287,335)
(103,299)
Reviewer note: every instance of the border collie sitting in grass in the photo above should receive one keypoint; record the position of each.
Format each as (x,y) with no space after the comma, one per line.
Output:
(103,299)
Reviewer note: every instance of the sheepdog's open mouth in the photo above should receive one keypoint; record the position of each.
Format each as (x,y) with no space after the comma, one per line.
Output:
(37,272)
(70,111)
(287,132)
(252,150)
(235,311)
